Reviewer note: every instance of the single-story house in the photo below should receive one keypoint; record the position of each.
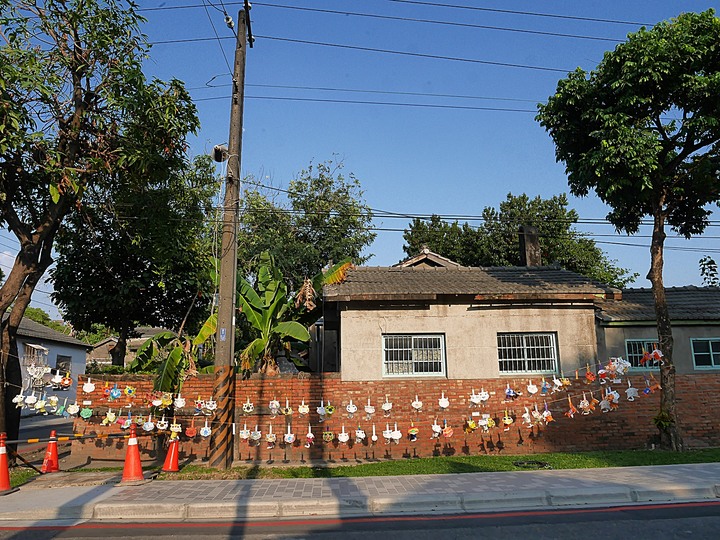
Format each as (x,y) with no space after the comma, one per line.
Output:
(40,345)
(431,317)
(627,327)
(101,355)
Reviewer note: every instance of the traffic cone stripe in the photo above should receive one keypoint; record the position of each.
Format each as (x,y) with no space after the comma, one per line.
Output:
(3,450)
(132,441)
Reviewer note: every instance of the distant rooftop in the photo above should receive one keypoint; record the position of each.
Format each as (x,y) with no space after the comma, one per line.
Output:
(688,303)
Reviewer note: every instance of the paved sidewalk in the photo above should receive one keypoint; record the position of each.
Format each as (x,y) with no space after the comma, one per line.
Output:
(452,493)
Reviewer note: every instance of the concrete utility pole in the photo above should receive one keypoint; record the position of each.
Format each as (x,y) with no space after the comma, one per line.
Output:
(221,443)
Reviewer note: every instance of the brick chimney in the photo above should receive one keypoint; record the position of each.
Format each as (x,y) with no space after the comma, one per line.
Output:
(529,246)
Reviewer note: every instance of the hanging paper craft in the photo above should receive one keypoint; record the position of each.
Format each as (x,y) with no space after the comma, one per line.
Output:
(475,398)
(413,432)
(287,409)
(374,437)
(309,437)
(289,437)
(527,418)
(162,424)
(470,425)
(589,375)
(86,413)
(175,427)
(532,389)
(328,436)
(66,381)
(244,433)
(483,423)
(447,430)
(631,392)
(537,415)
(343,437)
(396,434)
(130,391)
(31,399)
(61,409)
(386,407)
(156,400)
(179,402)
(359,435)
(205,431)
(73,409)
(53,403)
(436,429)
(584,405)
(443,402)
(128,421)
(40,405)
(57,378)
(544,387)
(149,425)
(329,409)
(256,435)
(484,395)
(110,417)
(547,415)
(248,407)
(303,408)
(351,409)
(557,385)
(571,410)
(115,393)
(211,404)
(19,400)
(507,421)
(270,438)
(191,431)
(321,412)
(510,393)
(387,434)
(417,404)
(369,410)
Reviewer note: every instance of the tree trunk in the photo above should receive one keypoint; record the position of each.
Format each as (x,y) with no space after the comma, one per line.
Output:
(118,352)
(670,438)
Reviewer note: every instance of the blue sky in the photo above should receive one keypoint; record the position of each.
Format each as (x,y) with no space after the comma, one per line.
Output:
(451,156)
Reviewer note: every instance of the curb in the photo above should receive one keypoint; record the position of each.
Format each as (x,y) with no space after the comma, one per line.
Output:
(407,505)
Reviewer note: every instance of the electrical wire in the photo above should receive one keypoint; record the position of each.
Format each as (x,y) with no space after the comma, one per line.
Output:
(217,37)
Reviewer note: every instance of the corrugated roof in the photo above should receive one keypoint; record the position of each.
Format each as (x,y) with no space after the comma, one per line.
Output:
(422,283)
(31,329)
(685,304)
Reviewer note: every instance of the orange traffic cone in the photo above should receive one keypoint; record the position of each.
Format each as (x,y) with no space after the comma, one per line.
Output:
(132,472)
(171,460)
(51,462)
(4,470)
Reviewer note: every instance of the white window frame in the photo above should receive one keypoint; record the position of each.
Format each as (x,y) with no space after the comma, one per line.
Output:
(415,351)
(633,357)
(712,353)
(523,344)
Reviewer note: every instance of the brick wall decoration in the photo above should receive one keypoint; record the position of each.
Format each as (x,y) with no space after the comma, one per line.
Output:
(629,427)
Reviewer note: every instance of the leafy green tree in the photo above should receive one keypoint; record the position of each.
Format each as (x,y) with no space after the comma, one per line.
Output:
(40,316)
(323,219)
(140,259)
(76,112)
(709,271)
(642,131)
(495,241)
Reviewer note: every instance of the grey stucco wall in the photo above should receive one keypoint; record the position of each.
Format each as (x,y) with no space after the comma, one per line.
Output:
(611,341)
(470,335)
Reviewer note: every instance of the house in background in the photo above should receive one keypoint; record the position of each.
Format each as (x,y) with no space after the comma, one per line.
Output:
(627,327)
(100,353)
(430,317)
(39,345)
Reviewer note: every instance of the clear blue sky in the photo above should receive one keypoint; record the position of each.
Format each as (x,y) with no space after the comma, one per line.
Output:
(451,156)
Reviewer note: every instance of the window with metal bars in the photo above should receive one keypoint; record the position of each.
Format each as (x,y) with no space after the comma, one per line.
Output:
(635,349)
(527,352)
(413,355)
(706,353)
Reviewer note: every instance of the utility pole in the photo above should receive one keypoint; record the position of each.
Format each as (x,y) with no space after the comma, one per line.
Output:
(221,443)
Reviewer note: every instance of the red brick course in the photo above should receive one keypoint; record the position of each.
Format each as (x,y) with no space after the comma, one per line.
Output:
(629,427)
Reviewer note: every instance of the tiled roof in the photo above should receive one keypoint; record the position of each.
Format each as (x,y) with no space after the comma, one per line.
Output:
(685,304)
(423,283)
(31,329)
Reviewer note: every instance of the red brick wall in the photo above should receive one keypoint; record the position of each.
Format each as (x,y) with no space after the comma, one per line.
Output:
(629,427)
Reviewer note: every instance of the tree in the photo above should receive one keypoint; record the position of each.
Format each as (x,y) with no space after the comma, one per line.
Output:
(709,271)
(76,112)
(643,131)
(495,241)
(323,220)
(40,316)
(149,251)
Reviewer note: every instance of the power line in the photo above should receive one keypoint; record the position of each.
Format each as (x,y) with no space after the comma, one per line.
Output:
(377,50)
(217,37)
(442,23)
(384,103)
(516,12)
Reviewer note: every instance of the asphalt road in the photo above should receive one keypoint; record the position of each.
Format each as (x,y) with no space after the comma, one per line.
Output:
(36,427)
(698,521)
